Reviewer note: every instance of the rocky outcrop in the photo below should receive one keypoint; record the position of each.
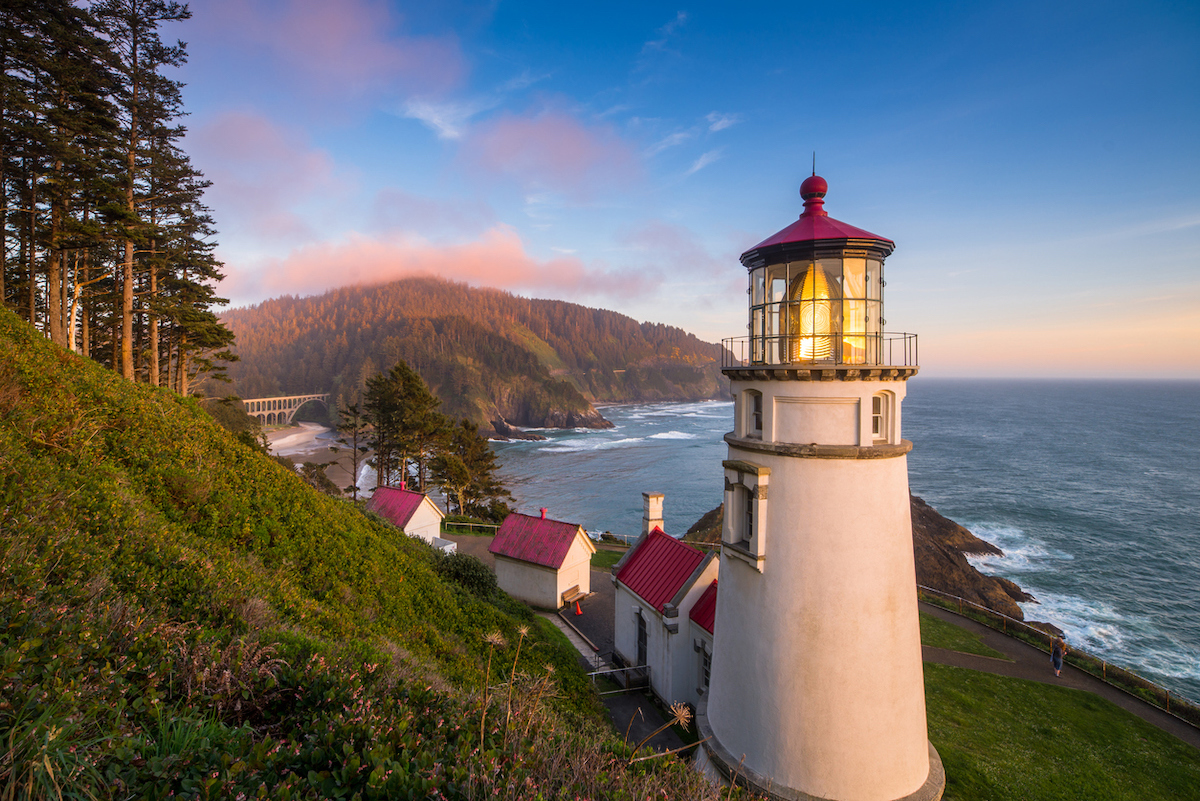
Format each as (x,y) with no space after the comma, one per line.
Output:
(940,546)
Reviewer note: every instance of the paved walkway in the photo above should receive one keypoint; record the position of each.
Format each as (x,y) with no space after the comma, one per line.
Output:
(1026,662)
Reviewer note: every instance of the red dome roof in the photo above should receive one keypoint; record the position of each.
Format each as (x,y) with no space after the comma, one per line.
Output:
(815,223)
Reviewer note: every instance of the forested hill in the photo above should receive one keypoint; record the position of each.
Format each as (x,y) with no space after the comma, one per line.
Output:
(489,355)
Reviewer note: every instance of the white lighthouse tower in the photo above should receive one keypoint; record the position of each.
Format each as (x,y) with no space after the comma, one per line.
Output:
(816,687)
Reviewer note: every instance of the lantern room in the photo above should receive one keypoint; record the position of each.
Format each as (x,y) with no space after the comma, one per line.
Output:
(816,293)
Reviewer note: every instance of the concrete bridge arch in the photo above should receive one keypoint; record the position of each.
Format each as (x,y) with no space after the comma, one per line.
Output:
(282,409)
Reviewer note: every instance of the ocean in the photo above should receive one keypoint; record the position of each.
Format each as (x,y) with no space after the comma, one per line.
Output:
(1091,488)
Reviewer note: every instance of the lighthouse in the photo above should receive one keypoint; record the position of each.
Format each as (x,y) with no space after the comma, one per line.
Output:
(816,688)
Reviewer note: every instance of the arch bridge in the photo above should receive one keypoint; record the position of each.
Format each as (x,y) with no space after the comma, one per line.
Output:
(280,410)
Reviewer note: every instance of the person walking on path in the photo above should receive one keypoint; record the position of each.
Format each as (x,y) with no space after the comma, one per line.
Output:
(1057,652)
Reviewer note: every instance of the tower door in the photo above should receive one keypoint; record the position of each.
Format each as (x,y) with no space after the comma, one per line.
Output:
(641,640)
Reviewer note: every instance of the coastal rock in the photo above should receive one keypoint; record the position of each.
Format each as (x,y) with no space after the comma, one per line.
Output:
(504,431)
(939,547)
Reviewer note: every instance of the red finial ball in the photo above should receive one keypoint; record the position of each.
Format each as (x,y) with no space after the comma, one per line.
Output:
(813,186)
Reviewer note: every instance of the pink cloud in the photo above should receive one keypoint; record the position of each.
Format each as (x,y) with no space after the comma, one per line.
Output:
(674,248)
(553,150)
(260,171)
(348,47)
(396,210)
(496,259)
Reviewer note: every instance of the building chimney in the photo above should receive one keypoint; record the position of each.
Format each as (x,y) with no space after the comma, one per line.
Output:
(652,515)
(543,512)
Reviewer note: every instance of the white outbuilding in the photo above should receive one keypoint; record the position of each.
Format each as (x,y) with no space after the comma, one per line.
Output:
(659,584)
(413,513)
(544,562)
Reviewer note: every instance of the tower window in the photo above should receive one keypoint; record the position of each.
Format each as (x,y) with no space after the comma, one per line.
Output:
(754,413)
(881,417)
(747,532)
(705,667)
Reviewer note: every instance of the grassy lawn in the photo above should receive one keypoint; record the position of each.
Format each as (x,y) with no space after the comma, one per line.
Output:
(603,560)
(937,633)
(1003,738)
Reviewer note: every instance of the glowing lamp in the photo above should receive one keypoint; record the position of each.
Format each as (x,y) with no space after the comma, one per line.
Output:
(816,289)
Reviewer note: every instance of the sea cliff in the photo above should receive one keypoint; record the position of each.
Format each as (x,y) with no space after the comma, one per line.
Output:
(940,548)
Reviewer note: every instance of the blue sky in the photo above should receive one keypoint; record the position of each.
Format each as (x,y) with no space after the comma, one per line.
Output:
(1037,165)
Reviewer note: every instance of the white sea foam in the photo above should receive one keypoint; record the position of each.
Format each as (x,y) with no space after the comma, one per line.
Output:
(672,435)
(1103,630)
(1022,553)
(578,445)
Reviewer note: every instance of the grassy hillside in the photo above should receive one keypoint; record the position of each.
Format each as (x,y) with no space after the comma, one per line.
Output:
(181,615)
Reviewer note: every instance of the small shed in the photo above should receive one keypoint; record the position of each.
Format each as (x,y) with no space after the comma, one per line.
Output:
(659,584)
(544,562)
(413,513)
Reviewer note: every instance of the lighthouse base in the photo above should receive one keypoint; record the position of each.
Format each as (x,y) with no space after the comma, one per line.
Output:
(713,760)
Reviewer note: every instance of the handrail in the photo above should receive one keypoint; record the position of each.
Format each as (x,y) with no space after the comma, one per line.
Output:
(863,351)
(1115,676)
(448,528)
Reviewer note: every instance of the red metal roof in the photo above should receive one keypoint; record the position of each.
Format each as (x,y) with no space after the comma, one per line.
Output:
(397,505)
(815,223)
(659,567)
(538,540)
(704,611)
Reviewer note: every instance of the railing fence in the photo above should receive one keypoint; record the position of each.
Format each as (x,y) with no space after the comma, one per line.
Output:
(1125,680)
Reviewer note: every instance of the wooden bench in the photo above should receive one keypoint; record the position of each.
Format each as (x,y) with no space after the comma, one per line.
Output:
(572,595)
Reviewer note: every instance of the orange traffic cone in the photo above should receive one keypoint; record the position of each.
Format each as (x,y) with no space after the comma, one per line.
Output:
(578,611)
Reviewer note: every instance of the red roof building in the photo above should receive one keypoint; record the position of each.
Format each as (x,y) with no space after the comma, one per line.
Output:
(704,613)
(541,561)
(538,540)
(658,582)
(408,510)
(657,567)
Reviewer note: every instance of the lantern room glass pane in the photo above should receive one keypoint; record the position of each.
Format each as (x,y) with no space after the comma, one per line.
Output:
(815,310)
(874,274)
(854,311)
(757,284)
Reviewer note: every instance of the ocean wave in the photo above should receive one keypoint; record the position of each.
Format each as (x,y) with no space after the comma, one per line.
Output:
(1022,553)
(672,435)
(1130,639)
(577,445)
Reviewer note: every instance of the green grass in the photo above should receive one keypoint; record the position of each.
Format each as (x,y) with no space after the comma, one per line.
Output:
(603,560)
(1003,738)
(937,633)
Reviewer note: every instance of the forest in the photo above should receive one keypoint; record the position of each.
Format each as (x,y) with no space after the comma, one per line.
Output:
(490,356)
(107,245)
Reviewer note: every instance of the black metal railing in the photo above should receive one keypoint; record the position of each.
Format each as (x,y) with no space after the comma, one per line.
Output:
(1118,677)
(848,350)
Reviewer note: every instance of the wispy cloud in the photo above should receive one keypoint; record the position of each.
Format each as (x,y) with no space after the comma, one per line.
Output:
(262,172)
(666,32)
(351,48)
(719,122)
(677,138)
(703,161)
(553,151)
(448,119)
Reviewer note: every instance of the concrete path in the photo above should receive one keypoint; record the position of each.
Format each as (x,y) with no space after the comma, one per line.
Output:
(1023,661)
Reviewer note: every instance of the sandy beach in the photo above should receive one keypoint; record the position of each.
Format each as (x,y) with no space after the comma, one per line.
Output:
(309,442)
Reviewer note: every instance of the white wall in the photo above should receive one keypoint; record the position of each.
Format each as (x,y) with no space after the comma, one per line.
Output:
(533,584)
(576,567)
(816,673)
(671,657)
(426,521)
